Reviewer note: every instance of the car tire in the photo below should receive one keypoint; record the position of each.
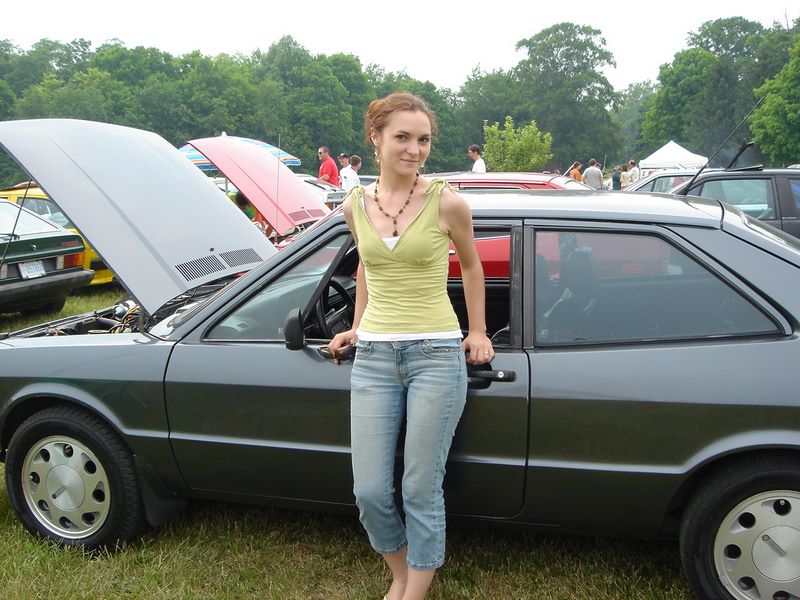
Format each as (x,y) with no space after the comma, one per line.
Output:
(740,535)
(72,480)
(50,307)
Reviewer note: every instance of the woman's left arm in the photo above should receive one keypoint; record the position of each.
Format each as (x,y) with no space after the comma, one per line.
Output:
(458,218)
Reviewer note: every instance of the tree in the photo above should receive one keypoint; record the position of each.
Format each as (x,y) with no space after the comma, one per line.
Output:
(776,123)
(734,38)
(566,92)
(681,81)
(487,97)
(92,95)
(508,148)
(629,114)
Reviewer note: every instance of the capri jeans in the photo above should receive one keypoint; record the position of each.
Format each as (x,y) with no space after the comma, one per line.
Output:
(425,383)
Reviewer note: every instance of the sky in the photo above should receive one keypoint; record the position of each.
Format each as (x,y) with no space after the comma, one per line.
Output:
(441,43)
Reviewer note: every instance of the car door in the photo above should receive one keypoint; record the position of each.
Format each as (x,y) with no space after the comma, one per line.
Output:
(641,350)
(252,419)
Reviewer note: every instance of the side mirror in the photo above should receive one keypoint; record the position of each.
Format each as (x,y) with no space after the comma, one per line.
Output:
(293,330)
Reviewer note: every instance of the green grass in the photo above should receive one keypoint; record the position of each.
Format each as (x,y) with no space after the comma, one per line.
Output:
(236,552)
(227,551)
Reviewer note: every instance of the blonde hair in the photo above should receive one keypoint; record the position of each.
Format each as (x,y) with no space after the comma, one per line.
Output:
(379,112)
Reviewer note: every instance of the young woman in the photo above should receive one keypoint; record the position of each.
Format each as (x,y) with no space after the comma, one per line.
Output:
(410,358)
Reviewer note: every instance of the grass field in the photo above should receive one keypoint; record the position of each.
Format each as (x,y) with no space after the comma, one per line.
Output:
(237,552)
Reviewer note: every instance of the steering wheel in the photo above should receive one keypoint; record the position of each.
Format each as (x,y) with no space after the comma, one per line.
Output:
(341,319)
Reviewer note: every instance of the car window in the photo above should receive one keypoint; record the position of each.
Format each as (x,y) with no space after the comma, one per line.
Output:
(665,184)
(752,196)
(262,317)
(795,185)
(26,223)
(607,287)
(47,209)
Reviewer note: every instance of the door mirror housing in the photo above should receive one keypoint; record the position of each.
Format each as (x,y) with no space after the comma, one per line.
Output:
(293,330)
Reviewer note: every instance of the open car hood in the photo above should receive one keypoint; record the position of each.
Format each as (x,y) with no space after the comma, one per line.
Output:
(283,199)
(160,224)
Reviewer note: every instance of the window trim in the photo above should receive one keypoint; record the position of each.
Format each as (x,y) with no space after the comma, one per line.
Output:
(739,286)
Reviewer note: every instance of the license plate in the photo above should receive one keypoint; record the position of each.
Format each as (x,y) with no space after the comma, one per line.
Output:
(32,269)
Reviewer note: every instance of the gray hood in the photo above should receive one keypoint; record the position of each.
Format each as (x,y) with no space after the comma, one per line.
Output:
(160,224)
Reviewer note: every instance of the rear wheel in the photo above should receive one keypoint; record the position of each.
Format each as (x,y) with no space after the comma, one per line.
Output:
(740,537)
(72,480)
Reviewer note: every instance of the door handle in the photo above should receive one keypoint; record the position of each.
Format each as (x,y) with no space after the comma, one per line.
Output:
(480,380)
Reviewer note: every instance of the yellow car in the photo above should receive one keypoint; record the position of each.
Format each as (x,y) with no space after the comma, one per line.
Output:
(37,201)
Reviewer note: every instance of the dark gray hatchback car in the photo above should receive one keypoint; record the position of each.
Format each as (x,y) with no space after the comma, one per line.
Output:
(642,383)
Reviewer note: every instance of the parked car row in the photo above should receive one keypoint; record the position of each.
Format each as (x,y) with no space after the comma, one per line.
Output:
(642,383)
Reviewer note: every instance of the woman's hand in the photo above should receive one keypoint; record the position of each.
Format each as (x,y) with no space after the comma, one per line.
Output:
(340,340)
(479,348)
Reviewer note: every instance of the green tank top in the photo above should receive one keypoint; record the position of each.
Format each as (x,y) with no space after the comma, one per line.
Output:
(407,285)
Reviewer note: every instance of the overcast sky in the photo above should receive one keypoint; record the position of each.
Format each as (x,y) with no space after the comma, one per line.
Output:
(442,43)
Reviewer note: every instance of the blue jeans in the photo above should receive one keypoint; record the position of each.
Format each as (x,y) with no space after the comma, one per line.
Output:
(424,381)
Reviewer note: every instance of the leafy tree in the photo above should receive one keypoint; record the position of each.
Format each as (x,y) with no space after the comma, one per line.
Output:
(508,148)
(487,97)
(132,66)
(284,61)
(92,95)
(48,56)
(629,114)
(776,123)
(566,91)
(7,100)
(734,38)
(681,81)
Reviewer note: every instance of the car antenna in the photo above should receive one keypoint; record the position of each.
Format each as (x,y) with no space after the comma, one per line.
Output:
(710,158)
(744,146)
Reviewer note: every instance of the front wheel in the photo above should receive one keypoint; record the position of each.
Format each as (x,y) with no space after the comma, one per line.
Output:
(72,480)
(740,537)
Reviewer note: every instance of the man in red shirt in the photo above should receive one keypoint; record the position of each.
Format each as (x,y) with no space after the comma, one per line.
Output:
(328,171)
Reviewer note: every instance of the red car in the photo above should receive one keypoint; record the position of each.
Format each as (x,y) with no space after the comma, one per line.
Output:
(502,181)
(494,251)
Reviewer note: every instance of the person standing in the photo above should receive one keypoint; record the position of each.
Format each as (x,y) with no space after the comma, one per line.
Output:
(327,168)
(593,176)
(616,179)
(633,170)
(624,177)
(410,361)
(575,171)
(478,165)
(349,175)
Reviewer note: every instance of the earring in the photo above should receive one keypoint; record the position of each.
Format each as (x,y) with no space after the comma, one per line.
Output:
(377,158)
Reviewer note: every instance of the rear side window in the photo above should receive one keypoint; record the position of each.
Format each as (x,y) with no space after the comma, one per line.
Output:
(752,196)
(21,222)
(795,185)
(604,287)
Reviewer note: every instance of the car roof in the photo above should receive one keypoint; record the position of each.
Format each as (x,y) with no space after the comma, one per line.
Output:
(638,207)
(528,177)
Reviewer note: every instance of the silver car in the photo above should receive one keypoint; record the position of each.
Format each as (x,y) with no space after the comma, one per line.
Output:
(643,382)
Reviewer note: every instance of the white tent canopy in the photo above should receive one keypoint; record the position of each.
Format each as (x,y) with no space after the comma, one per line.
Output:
(672,156)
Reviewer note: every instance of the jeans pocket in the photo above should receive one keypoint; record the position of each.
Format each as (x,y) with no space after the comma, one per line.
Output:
(363,349)
(442,349)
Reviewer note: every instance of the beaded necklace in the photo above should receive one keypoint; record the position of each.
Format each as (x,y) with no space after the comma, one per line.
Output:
(399,212)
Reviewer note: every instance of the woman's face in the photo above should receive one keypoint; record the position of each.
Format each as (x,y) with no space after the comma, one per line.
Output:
(405,142)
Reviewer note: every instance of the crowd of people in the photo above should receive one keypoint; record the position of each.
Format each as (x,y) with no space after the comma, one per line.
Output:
(621,175)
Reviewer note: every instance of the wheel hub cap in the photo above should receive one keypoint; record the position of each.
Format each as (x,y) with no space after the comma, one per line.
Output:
(65,487)
(776,553)
(757,547)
